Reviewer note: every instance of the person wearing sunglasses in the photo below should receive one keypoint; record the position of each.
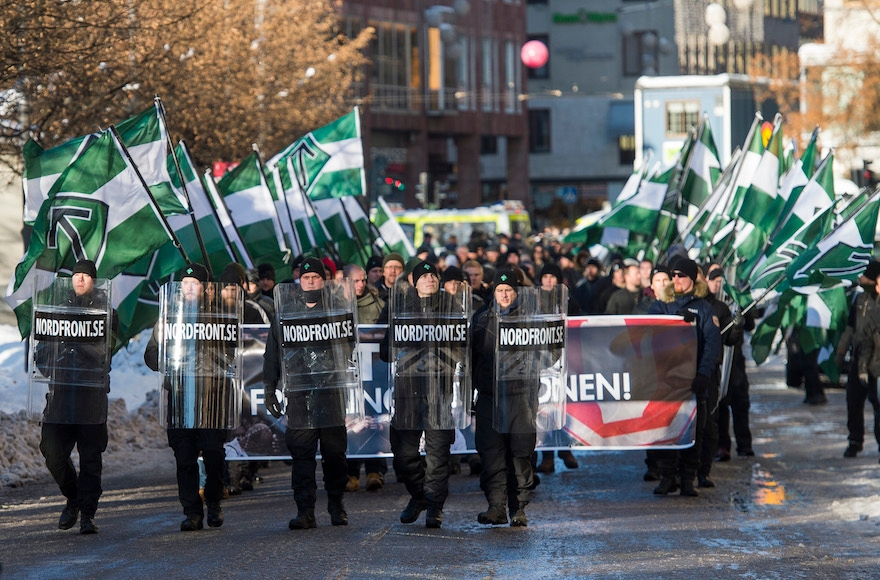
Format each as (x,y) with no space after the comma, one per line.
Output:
(684,297)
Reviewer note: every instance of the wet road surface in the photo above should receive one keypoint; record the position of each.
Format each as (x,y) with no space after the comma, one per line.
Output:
(796,510)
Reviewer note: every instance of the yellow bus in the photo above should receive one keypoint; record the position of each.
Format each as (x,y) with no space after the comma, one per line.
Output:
(507,217)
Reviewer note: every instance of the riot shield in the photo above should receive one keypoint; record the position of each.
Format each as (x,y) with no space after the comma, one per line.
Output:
(530,363)
(199,354)
(70,352)
(318,337)
(430,370)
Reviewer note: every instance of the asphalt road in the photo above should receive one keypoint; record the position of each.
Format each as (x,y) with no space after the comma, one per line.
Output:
(796,510)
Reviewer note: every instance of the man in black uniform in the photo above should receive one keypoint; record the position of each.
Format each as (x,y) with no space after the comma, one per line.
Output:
(423,391)
(76,406)
(507,476)
(863,336)
(188,442)
(303,442)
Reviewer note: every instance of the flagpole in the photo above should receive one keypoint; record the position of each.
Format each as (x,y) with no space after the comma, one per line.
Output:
(175,240)
(354,229)
(226,241)
(719,187)
(256,150)
(262,169)
(243,254)
(677,206)
(192,213)
(276,177)
(778,228)
(724,184)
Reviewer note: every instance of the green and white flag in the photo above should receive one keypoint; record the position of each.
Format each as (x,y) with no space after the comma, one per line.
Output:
(349,228)
(310,235)
(222,212)
(392,235)
(844,253)
(816,196)
(761,203)
(638,206)
(328,162)
(704,168)
(765,278)
(213,238)
(748,166)
(246,194)
(42,168)
(97,210)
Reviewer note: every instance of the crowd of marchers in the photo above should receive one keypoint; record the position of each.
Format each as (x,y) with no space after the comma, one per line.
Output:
(485,279)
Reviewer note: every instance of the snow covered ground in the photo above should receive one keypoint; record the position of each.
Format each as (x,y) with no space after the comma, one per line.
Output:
(133,417)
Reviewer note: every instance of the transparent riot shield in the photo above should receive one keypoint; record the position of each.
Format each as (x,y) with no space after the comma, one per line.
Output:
(530,363)
(318,338)
(430,370)
(70,352)
(199,354)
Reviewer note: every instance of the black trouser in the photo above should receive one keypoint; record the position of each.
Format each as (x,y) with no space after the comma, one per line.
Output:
(709,445)
(507,475)
(303,447)
(735,404)
(56,445)
(685,462)
(856,393)
(372,465)
(424,477)
(187,444)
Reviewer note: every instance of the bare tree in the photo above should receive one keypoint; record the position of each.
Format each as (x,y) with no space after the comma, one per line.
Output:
(230,72)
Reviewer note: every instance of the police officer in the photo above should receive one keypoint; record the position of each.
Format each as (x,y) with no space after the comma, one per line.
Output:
(507,476)
(684,297)
(76,410)
(188,441)
(423,398)
(303,442)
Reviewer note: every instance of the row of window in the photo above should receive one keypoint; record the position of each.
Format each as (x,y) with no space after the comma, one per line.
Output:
(540,142)
(450,68)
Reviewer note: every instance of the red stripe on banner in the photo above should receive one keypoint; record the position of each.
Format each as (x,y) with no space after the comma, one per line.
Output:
(658,414)
(631,320)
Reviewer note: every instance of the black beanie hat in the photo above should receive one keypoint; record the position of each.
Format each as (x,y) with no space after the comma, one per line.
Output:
(266,271)
(687,267)
(505,276)
(452,273)
(373,262)
(873,270)
(196,271)
(553,269)
(422,268)
(313,265)
(85,267)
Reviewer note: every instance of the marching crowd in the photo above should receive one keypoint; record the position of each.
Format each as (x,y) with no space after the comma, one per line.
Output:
(494,273)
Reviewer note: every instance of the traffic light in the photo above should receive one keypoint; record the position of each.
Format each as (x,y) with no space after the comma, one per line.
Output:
(869,179)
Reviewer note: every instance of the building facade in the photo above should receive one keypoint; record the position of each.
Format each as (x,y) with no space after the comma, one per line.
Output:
(445,84)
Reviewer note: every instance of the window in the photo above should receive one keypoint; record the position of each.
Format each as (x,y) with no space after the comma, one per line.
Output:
(539,131)
(544,71)
(395,70)
(488,145)
(681,116)
(489,58)
(626,149)
(640,53)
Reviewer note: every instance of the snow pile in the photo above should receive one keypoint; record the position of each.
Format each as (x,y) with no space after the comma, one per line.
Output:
(132,385)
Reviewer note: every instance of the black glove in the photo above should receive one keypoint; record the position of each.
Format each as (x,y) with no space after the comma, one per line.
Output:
(700,386)
(687,315)
(271,402)
(738,320)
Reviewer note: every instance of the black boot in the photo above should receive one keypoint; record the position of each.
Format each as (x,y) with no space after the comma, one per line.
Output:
(69,515)
(87,524)
(215,515)
(704,481)
(667,485)
(687,487)
(192,523)
(412,510)
(519,519)
(305,519)
(434,517)
(496,515)
(338,517)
